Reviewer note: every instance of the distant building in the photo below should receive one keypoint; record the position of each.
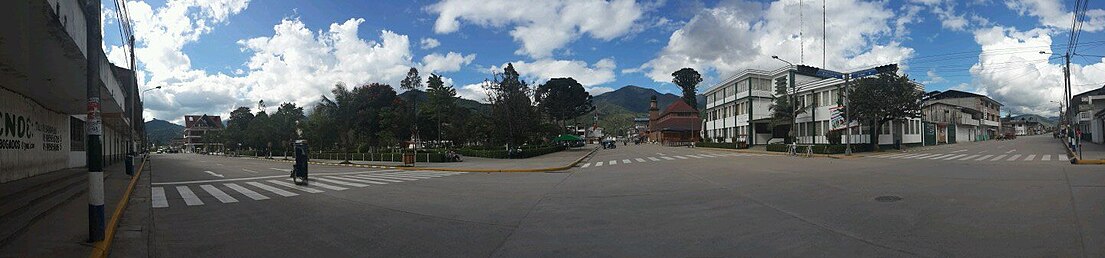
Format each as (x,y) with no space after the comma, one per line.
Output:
(989,111)
(1088,109)
(1022,126)
(196,127)
(953,123)
(679,123)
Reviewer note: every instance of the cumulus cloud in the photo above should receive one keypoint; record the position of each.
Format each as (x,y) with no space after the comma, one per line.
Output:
(554,25)
(1023,80)
(1052,14)
(428,43)
(737,35)
(294,64)
(591,76)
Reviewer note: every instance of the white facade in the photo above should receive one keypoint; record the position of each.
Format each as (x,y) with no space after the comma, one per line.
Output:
(821,95)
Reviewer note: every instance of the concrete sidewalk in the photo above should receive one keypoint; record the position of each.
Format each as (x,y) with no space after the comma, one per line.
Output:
(548,162)
(63,230)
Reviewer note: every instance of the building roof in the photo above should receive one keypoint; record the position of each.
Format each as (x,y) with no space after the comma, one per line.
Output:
(679,106)
(203,121)
(680,124)
(955,94)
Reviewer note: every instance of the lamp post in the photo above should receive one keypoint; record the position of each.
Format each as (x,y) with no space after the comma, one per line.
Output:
(146,135)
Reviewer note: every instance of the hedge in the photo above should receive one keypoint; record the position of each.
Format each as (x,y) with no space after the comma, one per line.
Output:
(501,153)
(721,145)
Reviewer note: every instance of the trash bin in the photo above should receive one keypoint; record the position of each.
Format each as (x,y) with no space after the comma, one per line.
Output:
(408,158)
(299,170)
(129,163)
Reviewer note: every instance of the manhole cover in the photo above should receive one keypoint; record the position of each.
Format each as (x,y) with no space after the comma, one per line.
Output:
(888,198)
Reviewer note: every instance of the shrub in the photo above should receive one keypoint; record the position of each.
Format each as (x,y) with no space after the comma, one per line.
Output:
(721,145)
(834,136)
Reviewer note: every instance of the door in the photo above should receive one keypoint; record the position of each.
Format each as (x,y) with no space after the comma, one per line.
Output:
(930,134)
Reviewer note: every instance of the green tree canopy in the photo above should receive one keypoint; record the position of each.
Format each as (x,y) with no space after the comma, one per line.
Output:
(688,79)
(563,99)
(512,111)
(442,102)
(883,98)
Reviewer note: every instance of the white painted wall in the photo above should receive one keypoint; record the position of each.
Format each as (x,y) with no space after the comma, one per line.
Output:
(39,146)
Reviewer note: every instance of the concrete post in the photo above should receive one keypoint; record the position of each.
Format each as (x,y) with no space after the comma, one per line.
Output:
(94,125)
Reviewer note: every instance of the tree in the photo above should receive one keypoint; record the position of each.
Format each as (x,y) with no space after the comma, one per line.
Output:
(284,125)
(883,98)
(512,111)
(412,82)
(237,126)
(563,99)
(786,107)
(442,101)
(688,79)
(342,111)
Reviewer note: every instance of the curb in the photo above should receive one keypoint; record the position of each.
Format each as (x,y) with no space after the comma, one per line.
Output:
(1074,157)
(831,156)
(549,169)
(102,248)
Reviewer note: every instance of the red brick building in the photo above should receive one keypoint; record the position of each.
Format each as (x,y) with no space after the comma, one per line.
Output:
(678,124)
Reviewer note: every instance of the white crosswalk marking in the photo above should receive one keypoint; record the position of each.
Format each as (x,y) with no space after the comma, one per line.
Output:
(245,191)
(1030,157)
(954,156)
(396,177)
(282,169)
(969,157)
(920,156)
(1063,157)
(894,156)
(415,174)
(157,197)
(219,194)
(332,181)
(905,156)
(598,164)
(373,178)
(585,165)
(274,190)
(939,156)
(984,157)
(640,160)
(653,159)
(612,162)
(694,156)
(311,182)
(297,187)
(667,158)
(626,161)
(358,180)
(680,157)
(1014,157)
(189,197)
(998,157)
(1046,157)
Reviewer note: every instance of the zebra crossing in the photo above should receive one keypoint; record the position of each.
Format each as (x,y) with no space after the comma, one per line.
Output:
(998,157)
(626,161)
(265,188)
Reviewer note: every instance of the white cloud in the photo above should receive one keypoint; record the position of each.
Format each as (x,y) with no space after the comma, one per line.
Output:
(428,43)
(1022,80)
(933,78)
(294,64)
(473,91)
(541,32)
(450,62)
(738,35)
(1052,14)
(539,71)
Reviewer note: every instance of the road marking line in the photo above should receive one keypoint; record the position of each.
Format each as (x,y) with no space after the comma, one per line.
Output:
(887,156)
(969,157)
(274,190)
(1010,151)
(357,180)
(1062,157)
(984,157)
(340,182)
(220,164)
(998,157)
(921,156)
(680,157)
(598,164)
(694,156)
(1046,157)
(248,193)
(612,162)
(661,154)
(626,161)
(954,157)
(667,158)
(331,187)
(297,187)
(157,195)
(251,171)
(385,179)
(958,151)
(413,174)
(939,156)
(401,176)
(258,177)
(585,165)
(1030,157)
(189,197)
(1014,157)
(653,159)
(282,169)
(213,173)
(219,194)
(906,156)
(640,160)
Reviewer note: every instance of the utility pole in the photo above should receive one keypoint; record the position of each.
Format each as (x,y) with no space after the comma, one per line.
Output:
(848,116)
(94,125)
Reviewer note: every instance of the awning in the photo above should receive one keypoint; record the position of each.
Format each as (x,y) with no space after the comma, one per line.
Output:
(567,138)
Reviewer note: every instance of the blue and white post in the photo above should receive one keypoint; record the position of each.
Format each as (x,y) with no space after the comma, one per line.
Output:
(94,124)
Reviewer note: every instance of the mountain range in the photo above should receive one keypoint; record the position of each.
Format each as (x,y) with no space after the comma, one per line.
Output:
(161,131)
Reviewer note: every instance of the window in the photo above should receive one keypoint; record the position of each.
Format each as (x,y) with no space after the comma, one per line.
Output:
(761,84)
(815,99)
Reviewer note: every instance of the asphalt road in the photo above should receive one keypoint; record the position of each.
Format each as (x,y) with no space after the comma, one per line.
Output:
(707,203)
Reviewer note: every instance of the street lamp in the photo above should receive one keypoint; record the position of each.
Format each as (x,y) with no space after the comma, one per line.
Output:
(793,98)
(780,59)
(146,135)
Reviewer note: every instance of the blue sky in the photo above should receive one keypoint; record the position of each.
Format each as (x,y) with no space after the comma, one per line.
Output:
(211,56)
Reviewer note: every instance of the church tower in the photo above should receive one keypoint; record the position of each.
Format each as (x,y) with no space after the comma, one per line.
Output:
(653,114)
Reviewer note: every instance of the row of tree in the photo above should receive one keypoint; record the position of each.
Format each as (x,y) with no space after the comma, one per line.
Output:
(374,116)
